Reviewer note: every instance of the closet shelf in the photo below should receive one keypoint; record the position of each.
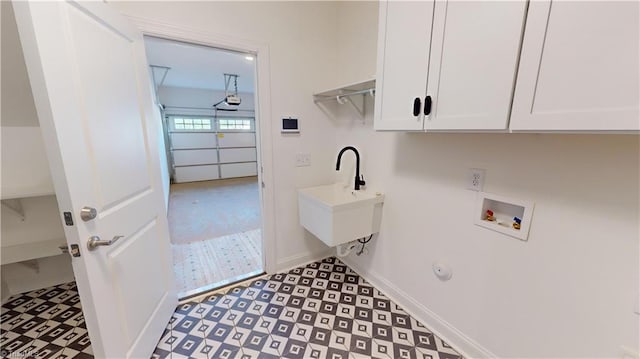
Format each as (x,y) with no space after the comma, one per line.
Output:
(358,88)
(18,193)
(34,250)
(343,94)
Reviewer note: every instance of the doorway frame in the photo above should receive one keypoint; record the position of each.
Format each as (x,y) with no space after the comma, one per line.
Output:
(262,113)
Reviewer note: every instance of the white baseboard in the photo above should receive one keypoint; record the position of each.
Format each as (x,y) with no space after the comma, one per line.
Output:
(299,260)
(440,327)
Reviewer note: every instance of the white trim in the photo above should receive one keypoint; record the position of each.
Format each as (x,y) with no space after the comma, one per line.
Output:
(440,327)
(303,259)
(220,286)
(262,111)
(223,289)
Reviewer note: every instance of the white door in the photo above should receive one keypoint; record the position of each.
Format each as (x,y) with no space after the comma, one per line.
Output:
(579,67)
(404,39)
(89,76)
(474,58)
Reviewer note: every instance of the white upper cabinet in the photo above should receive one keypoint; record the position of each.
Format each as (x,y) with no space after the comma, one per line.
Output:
(457,58)
(404,38)
(579,68)
(474,60)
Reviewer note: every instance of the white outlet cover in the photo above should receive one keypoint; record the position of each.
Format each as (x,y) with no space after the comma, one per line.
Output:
(475,179)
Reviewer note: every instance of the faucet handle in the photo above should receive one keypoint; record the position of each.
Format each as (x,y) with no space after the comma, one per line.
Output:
(361,180)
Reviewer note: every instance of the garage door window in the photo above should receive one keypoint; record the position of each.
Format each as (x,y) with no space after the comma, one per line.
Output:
(234,124)
(191,124)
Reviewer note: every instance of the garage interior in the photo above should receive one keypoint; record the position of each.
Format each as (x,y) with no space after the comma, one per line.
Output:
(206,99)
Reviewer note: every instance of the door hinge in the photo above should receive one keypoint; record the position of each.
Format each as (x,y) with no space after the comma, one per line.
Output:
(262,184)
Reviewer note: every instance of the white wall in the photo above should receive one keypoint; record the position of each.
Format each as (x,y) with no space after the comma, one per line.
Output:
(569,291)
(301,39)
(165,173)
(162,155)
(18,108)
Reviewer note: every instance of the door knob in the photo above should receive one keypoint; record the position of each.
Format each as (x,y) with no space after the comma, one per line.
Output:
(95,241)
(88,213)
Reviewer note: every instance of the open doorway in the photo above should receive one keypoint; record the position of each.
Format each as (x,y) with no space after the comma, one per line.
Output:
(207,103)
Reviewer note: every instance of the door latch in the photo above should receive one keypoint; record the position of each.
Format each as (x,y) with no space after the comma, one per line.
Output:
(68,219)
(74,251)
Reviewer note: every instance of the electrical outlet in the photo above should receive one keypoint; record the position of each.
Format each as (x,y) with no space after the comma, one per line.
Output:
(475,179)
(303,159)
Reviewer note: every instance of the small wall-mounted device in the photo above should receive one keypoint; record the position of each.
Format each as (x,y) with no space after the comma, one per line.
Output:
(290,125)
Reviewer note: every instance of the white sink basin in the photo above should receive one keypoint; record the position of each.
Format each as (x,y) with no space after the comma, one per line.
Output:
(337,215)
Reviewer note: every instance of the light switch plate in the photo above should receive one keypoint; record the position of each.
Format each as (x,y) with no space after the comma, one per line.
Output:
(303,159)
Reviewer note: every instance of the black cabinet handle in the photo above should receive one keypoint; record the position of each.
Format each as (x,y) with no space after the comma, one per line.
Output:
(416,106)
(427,105)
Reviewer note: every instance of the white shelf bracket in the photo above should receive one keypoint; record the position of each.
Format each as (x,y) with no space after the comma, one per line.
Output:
(14,206)
(344,96)
(358,109)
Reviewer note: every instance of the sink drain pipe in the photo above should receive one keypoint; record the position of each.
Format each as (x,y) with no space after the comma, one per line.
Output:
(345,249)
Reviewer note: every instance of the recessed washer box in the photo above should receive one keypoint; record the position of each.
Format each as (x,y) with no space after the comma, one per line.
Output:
(337,214)
(504,209)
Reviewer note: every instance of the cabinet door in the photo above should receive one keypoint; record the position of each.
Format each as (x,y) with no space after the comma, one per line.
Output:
(474,60)
(579,68)
(403,59)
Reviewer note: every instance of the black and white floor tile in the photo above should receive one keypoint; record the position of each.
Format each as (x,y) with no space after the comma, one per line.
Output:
(323,310)
(45,323)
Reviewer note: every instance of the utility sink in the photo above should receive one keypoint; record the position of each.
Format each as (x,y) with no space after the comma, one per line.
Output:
(337,214)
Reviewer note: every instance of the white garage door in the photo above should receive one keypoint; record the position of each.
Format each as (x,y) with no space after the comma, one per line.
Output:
(208,148)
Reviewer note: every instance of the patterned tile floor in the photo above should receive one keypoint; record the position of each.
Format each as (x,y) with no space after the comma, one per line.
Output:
(45,323)
(323,310)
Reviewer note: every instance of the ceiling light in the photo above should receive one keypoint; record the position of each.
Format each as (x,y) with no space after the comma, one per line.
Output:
(250,58)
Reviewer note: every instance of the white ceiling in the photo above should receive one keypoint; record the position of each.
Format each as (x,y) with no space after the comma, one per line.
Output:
(201,67)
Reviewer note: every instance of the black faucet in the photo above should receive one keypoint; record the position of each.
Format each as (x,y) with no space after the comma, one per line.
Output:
(359,181)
